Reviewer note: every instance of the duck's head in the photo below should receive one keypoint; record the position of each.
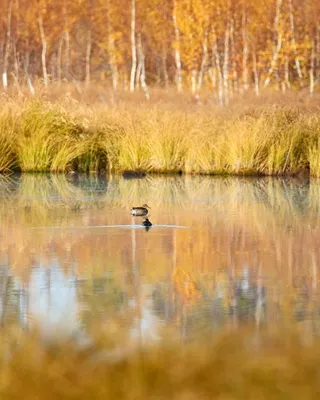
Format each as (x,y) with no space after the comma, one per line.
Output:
(145,206)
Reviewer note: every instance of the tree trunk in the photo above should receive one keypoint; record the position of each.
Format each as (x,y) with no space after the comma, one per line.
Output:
(67,55)
(286,72)
(245,51)
(177,48)
(112,58)
(142,72)
(226,66)
(311,71)
(277,46)
(203,61)
(294,44)
(53,65)
(88,58)
(318,53)
(26,67)
(59,59)
(233,56)
(44,52)
(165,69)
(67,41)
(193,81)
(7,48)
(255,74)
(133,45)
(212,72)
(139,68)
(216,55)
(16,61)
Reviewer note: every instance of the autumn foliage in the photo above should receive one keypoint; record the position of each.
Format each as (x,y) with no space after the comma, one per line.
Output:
(227,46)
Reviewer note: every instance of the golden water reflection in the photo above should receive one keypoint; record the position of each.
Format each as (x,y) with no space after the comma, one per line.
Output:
(249,252)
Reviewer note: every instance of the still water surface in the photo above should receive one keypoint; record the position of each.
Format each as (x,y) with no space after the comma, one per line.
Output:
(222,252)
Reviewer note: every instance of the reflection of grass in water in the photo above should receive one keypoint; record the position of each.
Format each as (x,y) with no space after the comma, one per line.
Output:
(162,192)
(279,197)
(233,365)
(40,197)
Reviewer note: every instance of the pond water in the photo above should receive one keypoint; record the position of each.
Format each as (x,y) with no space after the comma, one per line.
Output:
(221,252)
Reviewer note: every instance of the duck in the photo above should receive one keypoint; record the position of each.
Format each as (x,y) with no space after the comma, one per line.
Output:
(146,222)
(140,211)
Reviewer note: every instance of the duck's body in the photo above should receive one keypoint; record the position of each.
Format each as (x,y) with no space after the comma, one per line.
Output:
(146,222)
(140,211)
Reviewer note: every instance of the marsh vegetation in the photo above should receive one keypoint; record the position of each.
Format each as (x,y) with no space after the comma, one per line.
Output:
(41,136)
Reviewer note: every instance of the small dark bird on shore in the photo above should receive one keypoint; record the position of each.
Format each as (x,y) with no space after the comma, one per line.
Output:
(146,222)
(140,211)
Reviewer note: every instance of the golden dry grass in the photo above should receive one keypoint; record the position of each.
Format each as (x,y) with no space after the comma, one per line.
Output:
(37,135)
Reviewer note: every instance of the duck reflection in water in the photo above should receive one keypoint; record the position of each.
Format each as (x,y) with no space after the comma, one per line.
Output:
(146,223)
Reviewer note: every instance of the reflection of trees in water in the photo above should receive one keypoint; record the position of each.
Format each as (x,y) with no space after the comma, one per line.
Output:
(100,298)
(250,209)
(12,299)
(230,302)
(97,299)
(234,301)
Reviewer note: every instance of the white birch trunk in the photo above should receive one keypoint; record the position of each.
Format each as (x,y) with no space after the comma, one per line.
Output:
(67,41)
(67,55)
(26,67)
(16,61)
(286,73)
(277,46)
(133,45)
(165,69)
(233,56)
(177,55)
(59,59)
(143,71)
(88,58)
(245,51)
(139,69)
(226,66)
(216,55)
(44,52)
(255,74)
(293,43)
(7,48)
(203,61)
(16,69)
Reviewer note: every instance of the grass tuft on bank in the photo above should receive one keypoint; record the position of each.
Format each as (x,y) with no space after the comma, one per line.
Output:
(39,136)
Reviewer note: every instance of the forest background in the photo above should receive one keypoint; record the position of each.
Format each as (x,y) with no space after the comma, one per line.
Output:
(228,46)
